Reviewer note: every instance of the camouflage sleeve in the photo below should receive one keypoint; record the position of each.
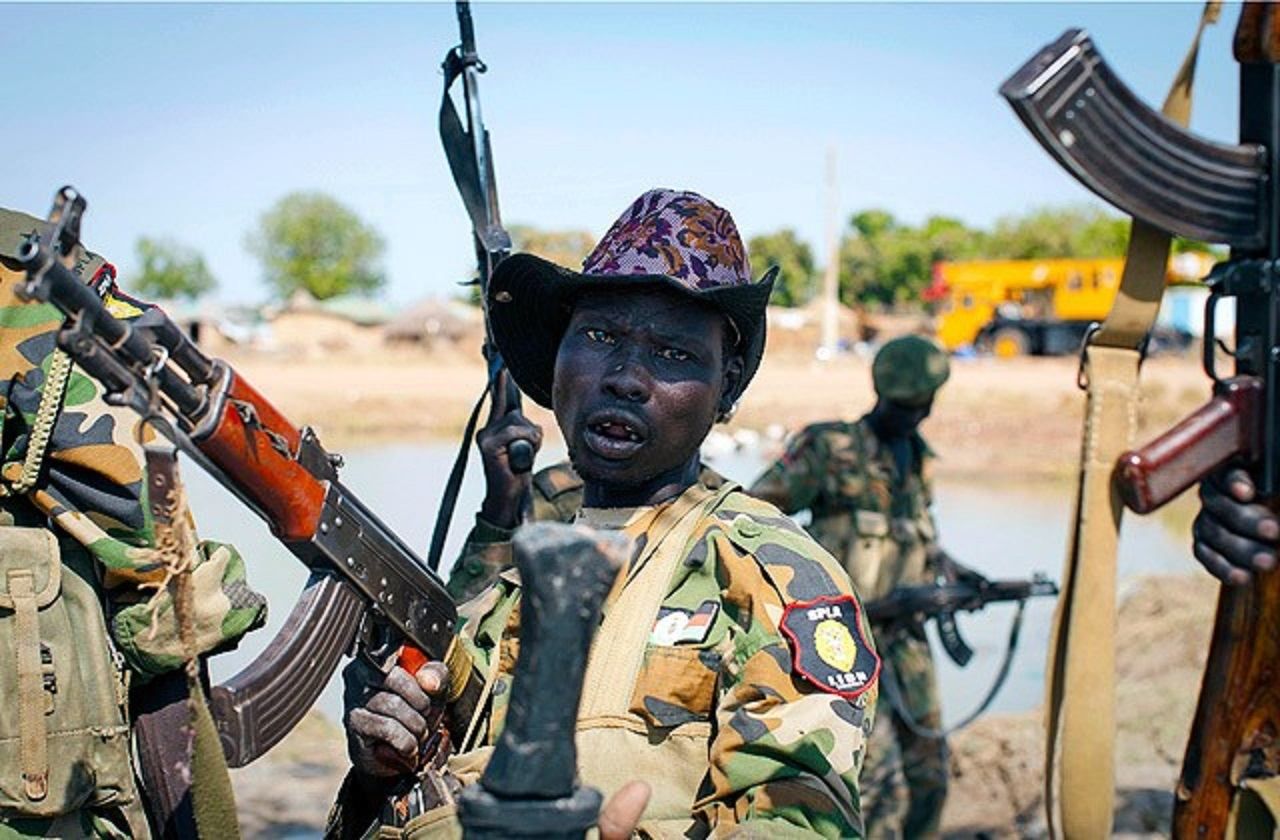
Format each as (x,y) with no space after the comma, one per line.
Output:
(486,552)
(93,487)
(792,482)
(797,688)
(557,495)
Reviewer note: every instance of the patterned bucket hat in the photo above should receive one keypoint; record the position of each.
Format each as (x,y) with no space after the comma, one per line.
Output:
(678,240)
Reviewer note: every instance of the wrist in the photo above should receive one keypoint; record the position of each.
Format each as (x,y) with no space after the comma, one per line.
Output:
(500,515)
(487,530)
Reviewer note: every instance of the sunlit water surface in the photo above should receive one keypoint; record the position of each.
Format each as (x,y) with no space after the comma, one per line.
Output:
(1003,529)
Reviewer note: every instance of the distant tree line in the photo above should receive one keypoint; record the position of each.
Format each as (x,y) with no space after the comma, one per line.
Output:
(312,242)
(884,260)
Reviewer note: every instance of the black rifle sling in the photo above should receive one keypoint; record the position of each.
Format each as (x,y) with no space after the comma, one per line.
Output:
(893,691)
(492,244)
(458,146)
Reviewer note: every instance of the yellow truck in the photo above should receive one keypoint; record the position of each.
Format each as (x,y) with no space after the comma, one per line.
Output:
(1034,307)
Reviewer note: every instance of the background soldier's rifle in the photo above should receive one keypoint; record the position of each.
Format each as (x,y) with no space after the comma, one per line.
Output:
(471,162)
(919,603)
(367,591)
(1158,172)
(913,605)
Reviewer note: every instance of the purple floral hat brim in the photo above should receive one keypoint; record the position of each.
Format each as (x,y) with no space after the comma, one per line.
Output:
(679,240)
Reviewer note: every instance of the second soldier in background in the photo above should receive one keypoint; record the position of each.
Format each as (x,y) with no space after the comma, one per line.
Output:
(866,485)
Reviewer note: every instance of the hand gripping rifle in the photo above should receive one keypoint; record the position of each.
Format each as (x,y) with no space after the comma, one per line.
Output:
(1146,166)
(911,605)
(367,592)
(471,162)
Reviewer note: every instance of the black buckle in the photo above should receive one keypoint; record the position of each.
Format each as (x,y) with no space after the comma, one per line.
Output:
(1082,378)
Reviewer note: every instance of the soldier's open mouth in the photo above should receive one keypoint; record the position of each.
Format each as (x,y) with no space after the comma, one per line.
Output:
(613,436)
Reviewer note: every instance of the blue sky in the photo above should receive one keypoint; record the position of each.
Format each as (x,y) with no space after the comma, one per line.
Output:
(188,121)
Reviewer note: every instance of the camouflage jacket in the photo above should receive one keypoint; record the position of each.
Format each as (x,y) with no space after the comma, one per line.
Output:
(760,641)
(876,521)
(557,496)
(91,488)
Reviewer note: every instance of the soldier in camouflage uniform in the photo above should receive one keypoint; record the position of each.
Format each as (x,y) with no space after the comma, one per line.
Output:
(74,519)
(556,494)
(733,669)
(866,485)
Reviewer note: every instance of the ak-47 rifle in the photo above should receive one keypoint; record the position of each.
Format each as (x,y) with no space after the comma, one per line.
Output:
(1155,171)
(909,605)
(471,162)
(919,603)
(367,591)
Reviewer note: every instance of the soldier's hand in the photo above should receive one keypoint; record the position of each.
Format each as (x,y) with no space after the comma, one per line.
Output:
(619,816)
(1234,535)
(385,715)
(504,490)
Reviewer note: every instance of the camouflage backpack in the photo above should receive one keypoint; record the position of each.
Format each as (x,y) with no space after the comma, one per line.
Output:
(64,743)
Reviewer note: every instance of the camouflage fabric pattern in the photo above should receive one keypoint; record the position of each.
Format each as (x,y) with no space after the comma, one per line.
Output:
(94,490)
(557,496)
(879,524)
(910,369)
(93,487)
(904,782)
(785,756)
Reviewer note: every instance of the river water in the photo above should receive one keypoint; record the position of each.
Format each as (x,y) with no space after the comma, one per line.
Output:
(1001,529)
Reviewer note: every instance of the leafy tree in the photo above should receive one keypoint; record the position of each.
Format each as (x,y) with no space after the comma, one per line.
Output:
(310,241)
(885,261)
(797,280)
(170,270)
(562,247)
(1059,232)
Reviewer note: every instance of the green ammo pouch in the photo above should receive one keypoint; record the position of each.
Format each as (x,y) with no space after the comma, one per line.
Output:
(64,741)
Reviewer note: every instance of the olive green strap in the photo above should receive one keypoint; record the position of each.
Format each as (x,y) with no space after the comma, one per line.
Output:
(212,799)
(34,750)
(1080,702)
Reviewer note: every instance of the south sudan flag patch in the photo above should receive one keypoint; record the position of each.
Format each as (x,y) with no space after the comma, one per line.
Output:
(828,647)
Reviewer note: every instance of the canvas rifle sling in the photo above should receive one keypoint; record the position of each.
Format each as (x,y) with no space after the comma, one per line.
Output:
(1080,701)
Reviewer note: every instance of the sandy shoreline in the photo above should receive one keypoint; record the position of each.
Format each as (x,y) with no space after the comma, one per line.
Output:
(996,418)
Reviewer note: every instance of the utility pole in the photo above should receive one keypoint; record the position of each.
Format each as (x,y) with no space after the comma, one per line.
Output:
(830,278)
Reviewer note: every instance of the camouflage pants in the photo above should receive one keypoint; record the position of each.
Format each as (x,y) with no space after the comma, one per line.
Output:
(904,782)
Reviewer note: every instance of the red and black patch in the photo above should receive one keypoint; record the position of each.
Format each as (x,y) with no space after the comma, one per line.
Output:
(828,647)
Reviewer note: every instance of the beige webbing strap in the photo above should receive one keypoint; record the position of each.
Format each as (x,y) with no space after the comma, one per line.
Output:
(618,649)
(51,396)
(1255,811)
(1080,702)
(31,702)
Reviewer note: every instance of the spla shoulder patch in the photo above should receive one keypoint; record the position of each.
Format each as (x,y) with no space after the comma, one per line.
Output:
(828,647)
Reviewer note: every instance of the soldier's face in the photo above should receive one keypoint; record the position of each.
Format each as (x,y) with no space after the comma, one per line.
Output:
(640,377)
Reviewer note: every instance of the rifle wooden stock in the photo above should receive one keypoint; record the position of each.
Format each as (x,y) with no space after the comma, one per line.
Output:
(1228,426)
(1236,730)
